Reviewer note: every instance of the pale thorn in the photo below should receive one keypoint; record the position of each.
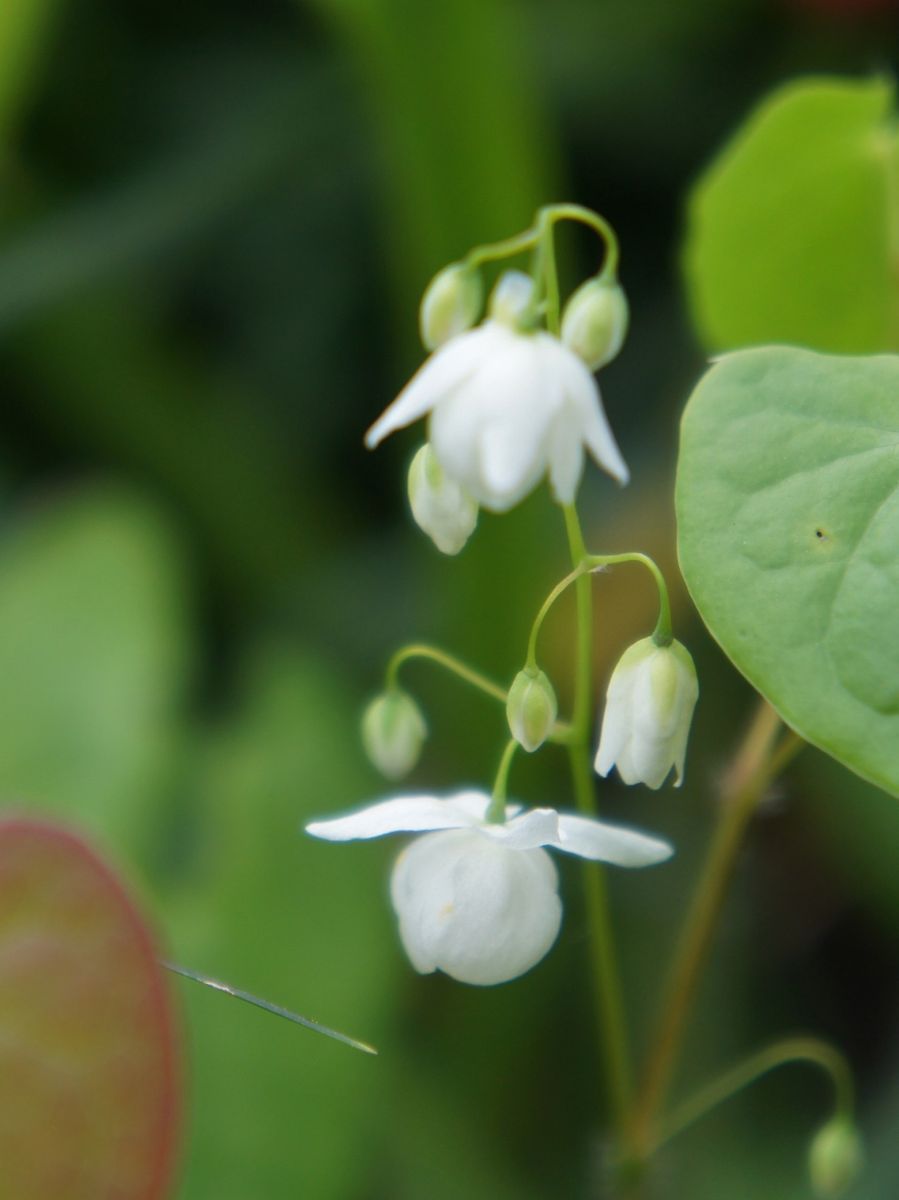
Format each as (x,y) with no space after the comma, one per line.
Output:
(478,899)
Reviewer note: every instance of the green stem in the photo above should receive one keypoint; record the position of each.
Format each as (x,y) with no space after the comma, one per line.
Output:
(755,765)
(662,634)
(449,663)
(606,976)
(496,811)
(790,1050)
(550,600)
(586,216)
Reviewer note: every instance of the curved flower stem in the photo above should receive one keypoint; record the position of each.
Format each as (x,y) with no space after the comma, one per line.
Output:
(779,1054)
(449,663)
(757,763)
(586,216)
(561,586)
(496,811)
(561,730)
(662,633)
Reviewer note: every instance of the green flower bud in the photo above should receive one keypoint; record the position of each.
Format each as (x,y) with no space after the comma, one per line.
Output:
(512,301)
(595,322)
(442,508)
(393,730)
(451,304)
(836,1157)
(531,708)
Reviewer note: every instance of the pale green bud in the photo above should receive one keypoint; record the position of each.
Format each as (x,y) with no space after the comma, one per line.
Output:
(443,509)
(836,1157)
(531,708)
(450,305)
(393,731)
(594,322)
(512,301)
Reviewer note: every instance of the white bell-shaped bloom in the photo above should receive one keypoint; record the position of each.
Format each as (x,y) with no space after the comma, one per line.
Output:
(479,900)
(507,405)
(649,707)
(443,509)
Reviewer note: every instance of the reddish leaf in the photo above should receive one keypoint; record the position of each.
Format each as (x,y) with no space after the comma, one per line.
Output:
(88,1064)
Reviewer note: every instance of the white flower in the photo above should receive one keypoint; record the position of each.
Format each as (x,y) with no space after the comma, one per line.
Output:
(479,900)
(445,511)
(507,406)
(649,706)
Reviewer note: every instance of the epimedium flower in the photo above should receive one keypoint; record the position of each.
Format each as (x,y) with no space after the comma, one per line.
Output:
(649,707)
(508,403)
(476,899)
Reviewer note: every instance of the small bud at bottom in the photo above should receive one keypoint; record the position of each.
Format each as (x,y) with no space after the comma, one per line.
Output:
(595,322)
(531,708)
(393,731)
(835,1158)
(451,304)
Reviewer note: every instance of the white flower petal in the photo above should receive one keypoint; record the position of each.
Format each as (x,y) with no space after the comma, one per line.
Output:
(536,827)
(403,814)
(616,844)
(582,391)
(440,374)
(473,908)
(566,460)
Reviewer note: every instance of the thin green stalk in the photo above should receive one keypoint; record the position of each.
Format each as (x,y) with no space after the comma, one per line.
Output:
(662,632)
(755,765)
(547,604)
(496,811)
(779,1054)
(449,663)
(606,975)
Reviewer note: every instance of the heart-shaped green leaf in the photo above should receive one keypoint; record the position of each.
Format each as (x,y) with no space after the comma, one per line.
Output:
(788,516)
(794,229)
(88,1104)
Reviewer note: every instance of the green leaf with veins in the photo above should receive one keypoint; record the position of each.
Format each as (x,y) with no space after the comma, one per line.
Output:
(788,515)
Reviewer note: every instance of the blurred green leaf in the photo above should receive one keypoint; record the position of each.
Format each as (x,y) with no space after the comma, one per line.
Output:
(467,156)
(92,661)
(279,1112)
(89,1106)
(794,229)
(24,25)
(788,513)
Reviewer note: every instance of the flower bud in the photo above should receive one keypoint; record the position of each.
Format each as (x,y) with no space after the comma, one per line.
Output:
(649,706)
(594,322)
(451,304)
(443,509)
(393,730)
(512,301)
(531,708)
(836,1157)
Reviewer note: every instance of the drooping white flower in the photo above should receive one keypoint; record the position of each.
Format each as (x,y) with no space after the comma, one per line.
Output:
(443,509)
(507,405)
(649,706)
(479,900)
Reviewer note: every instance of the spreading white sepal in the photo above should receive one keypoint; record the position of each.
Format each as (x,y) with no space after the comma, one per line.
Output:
(475,899)
(507,406)
(444,510)
(649,707)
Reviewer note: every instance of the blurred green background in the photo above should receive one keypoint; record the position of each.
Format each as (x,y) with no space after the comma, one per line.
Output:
(217,220)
